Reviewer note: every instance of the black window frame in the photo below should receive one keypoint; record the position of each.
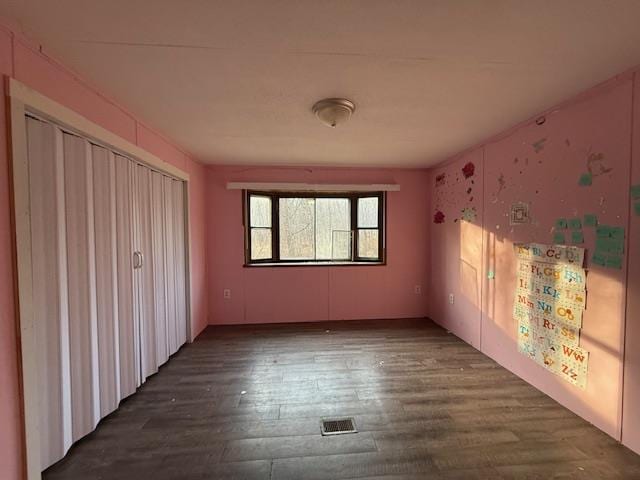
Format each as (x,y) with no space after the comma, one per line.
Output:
(353,197)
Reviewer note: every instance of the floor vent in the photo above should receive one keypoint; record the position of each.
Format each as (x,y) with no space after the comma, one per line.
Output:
(337,426)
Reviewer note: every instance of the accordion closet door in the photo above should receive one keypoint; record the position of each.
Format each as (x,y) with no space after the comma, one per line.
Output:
(108,279)
(158,242)
(144,257)
(129,339)
(178,231)
(174,239)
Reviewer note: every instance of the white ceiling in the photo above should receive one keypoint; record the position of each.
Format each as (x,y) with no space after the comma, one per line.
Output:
(233,82)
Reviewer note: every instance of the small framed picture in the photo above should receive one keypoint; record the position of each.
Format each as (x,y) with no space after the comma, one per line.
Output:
(519,213)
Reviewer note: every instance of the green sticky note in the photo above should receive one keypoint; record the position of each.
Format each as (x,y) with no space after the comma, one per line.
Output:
(575,224)
(635,192)
(602,245)
(616,247)
(599,259)
(590,220)
(617,233)
(636,208)
(558,238)
(561,224)
(577,236)
(602,231)
(614,261)
(585,180)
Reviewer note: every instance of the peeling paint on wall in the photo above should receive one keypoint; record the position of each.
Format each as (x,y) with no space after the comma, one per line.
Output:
(538,145)
(501,186)
(596,165)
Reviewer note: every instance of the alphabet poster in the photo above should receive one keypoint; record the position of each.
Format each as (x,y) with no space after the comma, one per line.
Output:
(550,299)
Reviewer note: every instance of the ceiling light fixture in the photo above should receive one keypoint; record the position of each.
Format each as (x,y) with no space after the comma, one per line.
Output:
(334,111)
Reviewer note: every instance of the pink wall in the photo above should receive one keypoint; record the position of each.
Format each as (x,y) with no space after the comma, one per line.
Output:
(300,294)
(22,60)
(631,397)
(466,254)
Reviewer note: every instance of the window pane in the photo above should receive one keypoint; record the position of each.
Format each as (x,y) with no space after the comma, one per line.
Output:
(260,209)
(368,243)
(260,243)
(333,224)
(341,245)
(368,212)
(297,228)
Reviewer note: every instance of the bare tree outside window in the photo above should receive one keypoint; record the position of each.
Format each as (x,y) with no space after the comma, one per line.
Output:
(368,227)
(297,228)
(333,221)
(260,224)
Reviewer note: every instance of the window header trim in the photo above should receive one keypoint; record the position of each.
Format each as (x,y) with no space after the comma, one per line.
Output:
(275,187)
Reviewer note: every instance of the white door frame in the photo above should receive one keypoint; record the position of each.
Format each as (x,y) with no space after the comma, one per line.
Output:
(24,100)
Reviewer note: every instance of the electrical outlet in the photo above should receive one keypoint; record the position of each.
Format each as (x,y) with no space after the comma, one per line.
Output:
(417,289)
(226,293)
(451,298)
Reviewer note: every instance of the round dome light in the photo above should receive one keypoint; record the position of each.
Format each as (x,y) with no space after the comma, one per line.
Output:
(334,111)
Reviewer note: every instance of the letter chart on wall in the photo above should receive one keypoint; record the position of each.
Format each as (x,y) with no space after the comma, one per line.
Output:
(550,299)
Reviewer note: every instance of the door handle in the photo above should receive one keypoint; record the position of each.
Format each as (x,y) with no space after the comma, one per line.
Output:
(137,260)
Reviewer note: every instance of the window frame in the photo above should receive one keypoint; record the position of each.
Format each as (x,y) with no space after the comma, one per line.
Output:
(275,197)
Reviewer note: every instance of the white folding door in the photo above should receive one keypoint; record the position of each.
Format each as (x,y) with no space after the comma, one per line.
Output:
(109,279)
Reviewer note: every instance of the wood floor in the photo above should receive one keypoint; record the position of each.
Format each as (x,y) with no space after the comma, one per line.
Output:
(246,402)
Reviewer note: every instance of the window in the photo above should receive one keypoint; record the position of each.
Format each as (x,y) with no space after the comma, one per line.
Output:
(287,227)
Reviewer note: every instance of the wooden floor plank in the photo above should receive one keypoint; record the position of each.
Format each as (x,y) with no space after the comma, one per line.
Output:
(297,446)
(245,402)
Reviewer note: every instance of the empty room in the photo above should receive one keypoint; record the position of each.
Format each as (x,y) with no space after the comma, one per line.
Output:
(316,240)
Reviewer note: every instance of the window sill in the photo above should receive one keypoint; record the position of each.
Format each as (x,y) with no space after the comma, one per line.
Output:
(315,264)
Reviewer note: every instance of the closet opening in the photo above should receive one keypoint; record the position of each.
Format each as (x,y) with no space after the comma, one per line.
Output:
(102,243)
